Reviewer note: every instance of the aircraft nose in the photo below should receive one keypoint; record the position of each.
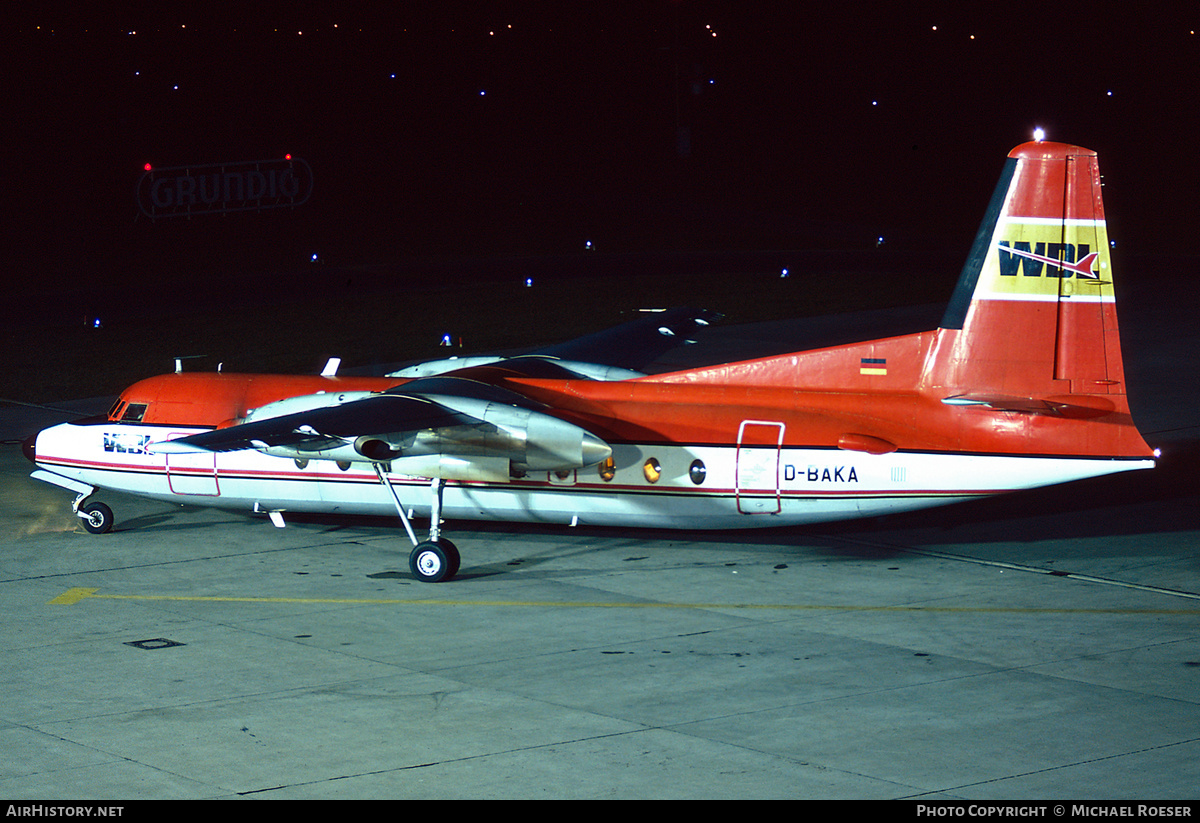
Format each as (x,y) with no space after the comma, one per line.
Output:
(29,448)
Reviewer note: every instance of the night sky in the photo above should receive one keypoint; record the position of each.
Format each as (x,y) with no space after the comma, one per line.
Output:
(477,129)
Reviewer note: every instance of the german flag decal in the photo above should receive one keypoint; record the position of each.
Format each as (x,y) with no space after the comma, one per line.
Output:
(873,365)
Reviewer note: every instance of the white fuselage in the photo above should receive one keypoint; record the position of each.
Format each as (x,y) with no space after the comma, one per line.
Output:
(738,487)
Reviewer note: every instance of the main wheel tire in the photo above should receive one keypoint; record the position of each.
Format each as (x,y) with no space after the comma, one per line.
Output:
(452,557)
(97,518)
(434,561)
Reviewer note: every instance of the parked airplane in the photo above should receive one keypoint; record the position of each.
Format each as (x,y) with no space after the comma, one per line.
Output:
(1021,385)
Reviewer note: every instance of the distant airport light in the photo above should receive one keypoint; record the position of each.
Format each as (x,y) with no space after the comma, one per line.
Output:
(147,167)
(528,282)
(783,272)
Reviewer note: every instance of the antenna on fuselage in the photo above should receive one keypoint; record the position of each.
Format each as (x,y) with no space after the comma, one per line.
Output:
(179,361)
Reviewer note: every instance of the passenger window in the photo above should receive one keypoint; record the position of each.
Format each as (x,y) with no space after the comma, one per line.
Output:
(133,413)
(652,469)
(608,470)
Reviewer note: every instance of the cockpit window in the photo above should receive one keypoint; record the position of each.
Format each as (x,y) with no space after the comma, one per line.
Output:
(133,413)
(114,412)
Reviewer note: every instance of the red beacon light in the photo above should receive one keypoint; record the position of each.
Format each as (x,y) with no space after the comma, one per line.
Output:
(147,167)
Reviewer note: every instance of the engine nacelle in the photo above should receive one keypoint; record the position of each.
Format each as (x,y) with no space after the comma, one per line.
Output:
(531,440)
(376,450)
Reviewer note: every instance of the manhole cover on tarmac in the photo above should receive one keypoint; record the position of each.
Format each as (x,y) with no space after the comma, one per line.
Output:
(155,643)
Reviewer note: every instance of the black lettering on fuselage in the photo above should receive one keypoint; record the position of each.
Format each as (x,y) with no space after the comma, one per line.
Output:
(826,474)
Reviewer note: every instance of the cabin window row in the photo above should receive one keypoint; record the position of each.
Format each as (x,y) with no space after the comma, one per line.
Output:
(651,470)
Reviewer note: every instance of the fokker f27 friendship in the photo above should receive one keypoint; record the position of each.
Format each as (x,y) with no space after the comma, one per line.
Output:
(1021,385)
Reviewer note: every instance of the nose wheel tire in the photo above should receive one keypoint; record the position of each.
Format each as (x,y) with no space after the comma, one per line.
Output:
(97,518)
(434,561)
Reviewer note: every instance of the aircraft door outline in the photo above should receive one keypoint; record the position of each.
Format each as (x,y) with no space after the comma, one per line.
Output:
(756,467)
(192,474)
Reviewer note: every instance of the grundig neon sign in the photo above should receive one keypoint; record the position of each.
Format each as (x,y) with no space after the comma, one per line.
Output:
(220,188)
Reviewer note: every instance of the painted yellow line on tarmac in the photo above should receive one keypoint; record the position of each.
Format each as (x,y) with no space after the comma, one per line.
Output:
(72,596)
(77,595)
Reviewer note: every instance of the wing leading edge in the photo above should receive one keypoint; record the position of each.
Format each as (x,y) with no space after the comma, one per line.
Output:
(430,428)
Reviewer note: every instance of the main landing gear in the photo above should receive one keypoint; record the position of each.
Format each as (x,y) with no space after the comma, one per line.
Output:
(434,560)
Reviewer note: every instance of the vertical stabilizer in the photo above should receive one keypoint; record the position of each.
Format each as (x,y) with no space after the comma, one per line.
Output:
(1034,314)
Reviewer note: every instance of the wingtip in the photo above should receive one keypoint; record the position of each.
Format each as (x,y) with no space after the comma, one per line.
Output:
(174,447)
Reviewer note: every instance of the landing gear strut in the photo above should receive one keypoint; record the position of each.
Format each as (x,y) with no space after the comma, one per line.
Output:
(434,560)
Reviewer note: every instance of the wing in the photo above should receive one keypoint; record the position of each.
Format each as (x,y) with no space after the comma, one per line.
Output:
(634,344)
(319,429)
(452,415)
(617,353)
(451,427)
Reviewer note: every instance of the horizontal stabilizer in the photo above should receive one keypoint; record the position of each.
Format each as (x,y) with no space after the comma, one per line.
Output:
(1075,406)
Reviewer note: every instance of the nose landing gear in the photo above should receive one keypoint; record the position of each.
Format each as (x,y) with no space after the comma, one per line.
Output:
(97,518)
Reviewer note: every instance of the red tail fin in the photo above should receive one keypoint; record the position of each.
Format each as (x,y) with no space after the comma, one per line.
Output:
(1034,314)
(1031,331)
